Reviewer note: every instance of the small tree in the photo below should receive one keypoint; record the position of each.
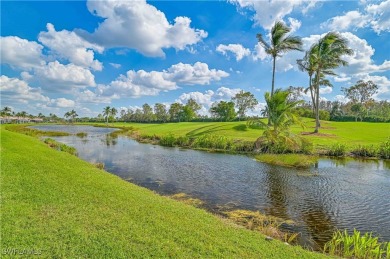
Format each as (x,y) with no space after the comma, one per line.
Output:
(160,110)
(147,113)
(244,101)
(277,137)
(223,110)
(175,111)
(107,113)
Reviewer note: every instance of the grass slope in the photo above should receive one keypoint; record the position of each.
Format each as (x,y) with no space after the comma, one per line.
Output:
(349,133)
(55,203)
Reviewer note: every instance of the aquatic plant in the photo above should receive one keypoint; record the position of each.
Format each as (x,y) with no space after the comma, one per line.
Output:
(267,225)
(60,146)
(337,149)
(365,151)
(213,142)
(384,149)
(81,134)
(99,165)
(186,199)
(356,245)
(168,140)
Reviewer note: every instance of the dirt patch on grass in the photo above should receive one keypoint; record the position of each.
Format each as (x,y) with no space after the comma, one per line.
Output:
(318,134)
(327,128)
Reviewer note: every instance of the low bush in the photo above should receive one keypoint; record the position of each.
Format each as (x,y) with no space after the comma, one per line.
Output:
(337,149)
(60,146)
(183,141)
(357,245)
(213,142)
(82,134)
(168,140)
(244,146)
(365,151)
(384,149)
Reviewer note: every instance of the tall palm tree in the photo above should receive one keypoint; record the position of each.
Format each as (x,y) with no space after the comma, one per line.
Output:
(280,43)
(327,55)
(71,114)
(113,112)
(107,112)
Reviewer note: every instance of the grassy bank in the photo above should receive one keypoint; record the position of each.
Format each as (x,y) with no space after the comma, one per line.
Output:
(57,205)
(351,134)
(288,160)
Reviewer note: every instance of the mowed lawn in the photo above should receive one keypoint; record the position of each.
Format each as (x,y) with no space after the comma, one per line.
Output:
(57,205)
(348,133)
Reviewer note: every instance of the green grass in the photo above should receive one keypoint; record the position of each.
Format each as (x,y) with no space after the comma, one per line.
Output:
(351,134)
(62,206)
(288,160)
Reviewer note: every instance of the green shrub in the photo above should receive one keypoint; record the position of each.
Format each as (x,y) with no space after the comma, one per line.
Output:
(183,141)
(365,151)
(213,142)
(384,149)
(244,146)
(337,149)
(168,140)
(60,146)
(357,245)
(307,146)
(82,134)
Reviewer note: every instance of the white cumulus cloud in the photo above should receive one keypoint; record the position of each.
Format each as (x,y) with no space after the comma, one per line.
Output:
(141,26)
(267,12)
(236,49)
(21,53)
(68,45)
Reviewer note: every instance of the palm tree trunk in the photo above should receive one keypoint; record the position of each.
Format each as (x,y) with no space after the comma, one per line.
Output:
(312,94)
(317,104)
(273,86)
(273,77)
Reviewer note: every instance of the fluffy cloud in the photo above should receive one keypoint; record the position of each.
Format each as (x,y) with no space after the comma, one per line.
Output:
(376,16)
(21,53)
(68,45)
(188,74)
(16,90)
(352,19)
(278,9)
(62,103)
(294,24)
(259,53)
(361,61)
(115,65)
(141,26)
(142,83)
(237,49)
(57,77)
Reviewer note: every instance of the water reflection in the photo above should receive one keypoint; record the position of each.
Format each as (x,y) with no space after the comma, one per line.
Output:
(110,139)
(334,194)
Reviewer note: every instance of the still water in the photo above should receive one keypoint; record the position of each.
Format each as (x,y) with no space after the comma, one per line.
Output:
(337,194)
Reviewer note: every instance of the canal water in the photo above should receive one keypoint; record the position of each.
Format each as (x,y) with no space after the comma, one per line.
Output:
(336,194)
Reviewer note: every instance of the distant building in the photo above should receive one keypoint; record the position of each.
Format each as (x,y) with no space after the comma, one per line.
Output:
(18,120)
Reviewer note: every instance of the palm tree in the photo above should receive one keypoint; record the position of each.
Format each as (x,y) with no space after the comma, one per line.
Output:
(327,55)
(71,114)
(113,112)
(6,111)
(281,116)
(281,43)
(107,112)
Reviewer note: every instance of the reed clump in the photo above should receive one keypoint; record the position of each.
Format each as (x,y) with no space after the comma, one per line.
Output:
(357,245)
(60,146)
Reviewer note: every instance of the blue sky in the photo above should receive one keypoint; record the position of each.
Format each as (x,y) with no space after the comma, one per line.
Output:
(57,56)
